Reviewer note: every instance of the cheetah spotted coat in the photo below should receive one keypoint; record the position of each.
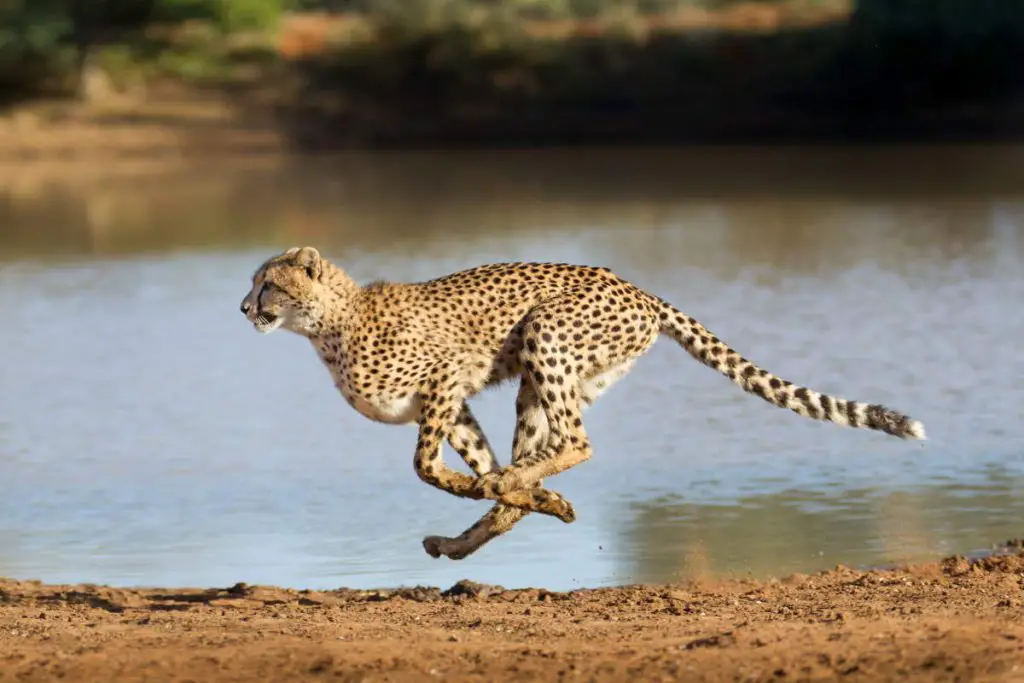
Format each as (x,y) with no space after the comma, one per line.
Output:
(404,353)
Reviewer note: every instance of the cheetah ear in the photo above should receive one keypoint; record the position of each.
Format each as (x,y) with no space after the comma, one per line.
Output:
(309,258)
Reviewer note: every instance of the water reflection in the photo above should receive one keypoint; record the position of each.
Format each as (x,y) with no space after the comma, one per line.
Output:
(770,208)
(799,530)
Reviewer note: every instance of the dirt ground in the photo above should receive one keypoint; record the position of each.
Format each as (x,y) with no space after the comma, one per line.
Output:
(950,621)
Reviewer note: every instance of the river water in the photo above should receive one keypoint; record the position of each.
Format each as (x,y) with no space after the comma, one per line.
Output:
(148,436)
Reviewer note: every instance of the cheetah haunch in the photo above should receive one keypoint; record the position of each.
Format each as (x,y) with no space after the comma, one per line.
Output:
(416,352)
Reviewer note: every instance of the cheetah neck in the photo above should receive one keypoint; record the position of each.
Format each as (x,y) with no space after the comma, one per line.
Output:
(342,295)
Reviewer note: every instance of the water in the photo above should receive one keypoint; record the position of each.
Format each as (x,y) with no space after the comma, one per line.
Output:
(148,436)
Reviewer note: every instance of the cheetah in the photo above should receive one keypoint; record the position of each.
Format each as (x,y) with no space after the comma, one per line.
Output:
(415,353)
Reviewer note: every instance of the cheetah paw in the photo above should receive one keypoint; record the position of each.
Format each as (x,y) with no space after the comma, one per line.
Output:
(436,546)
(542,501)
(561,508)
(495,484)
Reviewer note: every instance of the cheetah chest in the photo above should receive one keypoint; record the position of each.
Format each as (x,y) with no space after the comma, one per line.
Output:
(386,409)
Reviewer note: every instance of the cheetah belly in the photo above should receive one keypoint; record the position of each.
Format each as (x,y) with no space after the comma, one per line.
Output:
(594,386)
(389,410)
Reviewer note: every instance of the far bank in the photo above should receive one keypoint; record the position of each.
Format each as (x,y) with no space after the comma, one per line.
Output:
(745,73)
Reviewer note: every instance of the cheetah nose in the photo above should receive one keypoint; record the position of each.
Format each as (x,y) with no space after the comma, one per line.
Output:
(245,307)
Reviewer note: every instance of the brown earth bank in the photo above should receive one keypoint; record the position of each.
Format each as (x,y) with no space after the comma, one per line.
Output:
(955,620)
(210,127)
(170,127)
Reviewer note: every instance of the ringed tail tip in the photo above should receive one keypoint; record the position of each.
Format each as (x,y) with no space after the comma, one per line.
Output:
(889,421)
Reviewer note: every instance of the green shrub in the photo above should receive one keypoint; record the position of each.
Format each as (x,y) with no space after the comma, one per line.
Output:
(228,15)
(32,37)
(247,15)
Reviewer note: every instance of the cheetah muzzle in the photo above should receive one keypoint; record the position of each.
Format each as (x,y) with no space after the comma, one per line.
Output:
(415,353)
(267,322)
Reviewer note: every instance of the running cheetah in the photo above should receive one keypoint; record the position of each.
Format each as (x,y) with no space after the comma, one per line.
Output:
(405,353)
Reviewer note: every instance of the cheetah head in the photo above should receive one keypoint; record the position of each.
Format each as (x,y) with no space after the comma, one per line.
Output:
(287,292)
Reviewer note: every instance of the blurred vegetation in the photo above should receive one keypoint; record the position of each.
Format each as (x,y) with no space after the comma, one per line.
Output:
(545,70)
(45,44)
(651,71)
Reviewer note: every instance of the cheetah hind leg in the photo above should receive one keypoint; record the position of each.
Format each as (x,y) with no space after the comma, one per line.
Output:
(566,376)
(530,434)
(439,419)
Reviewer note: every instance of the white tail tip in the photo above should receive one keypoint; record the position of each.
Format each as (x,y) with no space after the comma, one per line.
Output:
(916,431)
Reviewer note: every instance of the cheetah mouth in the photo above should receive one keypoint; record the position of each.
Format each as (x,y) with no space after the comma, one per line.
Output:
(267,322)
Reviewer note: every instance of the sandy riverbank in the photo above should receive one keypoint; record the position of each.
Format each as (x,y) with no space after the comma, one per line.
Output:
(182,127)
(952,620)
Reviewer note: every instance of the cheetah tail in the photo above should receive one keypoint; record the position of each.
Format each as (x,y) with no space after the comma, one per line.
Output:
(716,354)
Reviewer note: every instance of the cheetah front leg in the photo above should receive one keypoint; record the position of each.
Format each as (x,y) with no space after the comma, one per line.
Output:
(530,435)
(469,441)
(440,406)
